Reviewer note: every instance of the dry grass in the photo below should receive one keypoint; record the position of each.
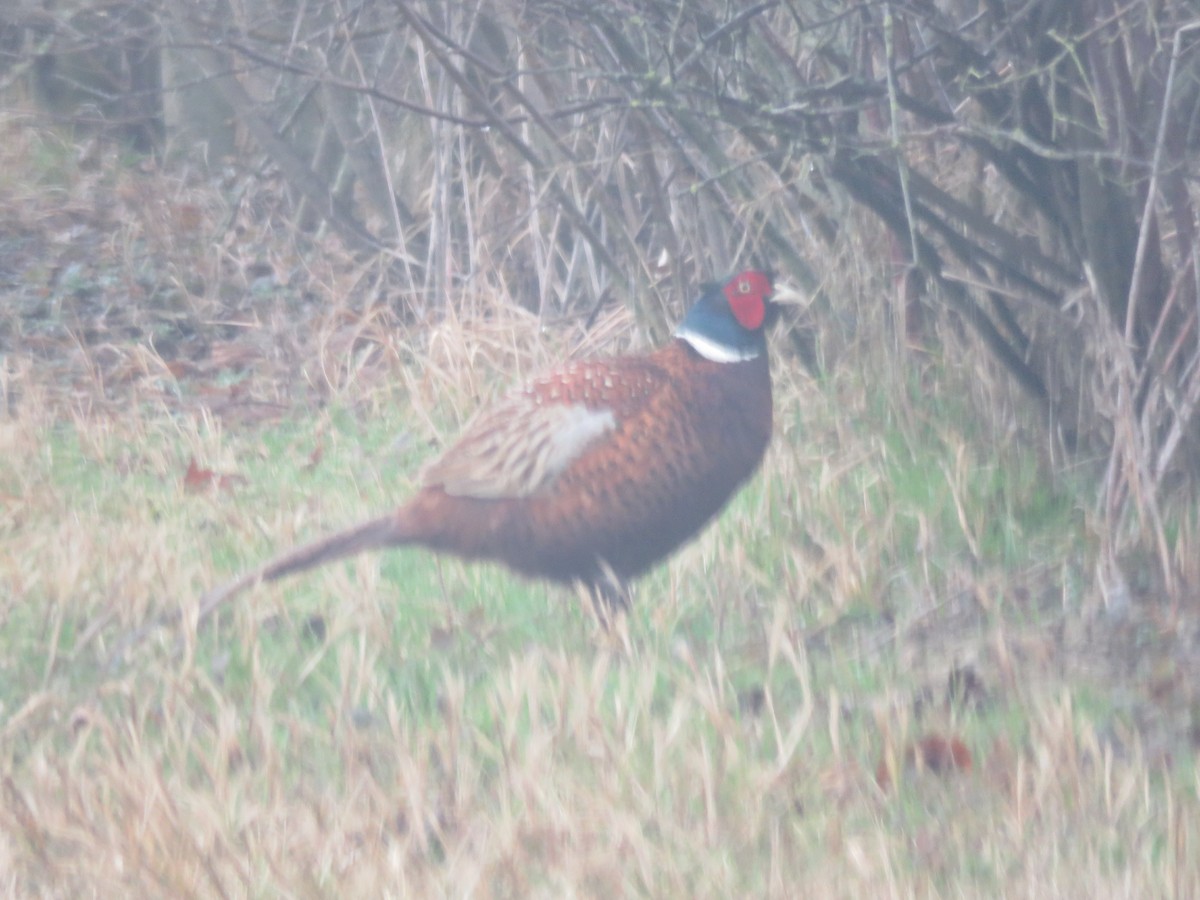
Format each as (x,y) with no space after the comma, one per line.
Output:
(904,571)
(450,730)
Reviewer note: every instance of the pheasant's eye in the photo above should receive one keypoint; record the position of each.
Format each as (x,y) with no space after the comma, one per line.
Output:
(743,286)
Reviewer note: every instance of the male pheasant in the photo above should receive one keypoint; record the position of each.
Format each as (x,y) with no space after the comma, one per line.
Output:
(594,471)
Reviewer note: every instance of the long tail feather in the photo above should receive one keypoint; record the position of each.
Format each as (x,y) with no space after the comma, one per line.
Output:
(372,535)
(386,531)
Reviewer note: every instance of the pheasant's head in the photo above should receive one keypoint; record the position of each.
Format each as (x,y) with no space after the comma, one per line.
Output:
(727,323)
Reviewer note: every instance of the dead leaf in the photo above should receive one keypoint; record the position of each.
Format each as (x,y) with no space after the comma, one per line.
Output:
(932,753)
(197,479)
(314,458)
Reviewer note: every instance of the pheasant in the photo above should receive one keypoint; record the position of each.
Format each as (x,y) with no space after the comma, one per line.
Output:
(596,470)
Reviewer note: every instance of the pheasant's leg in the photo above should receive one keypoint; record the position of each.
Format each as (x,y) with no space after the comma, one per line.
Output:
(610,598)
(609,602)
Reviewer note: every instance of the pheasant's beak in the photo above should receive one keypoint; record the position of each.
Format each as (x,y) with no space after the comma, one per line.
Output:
(788,293)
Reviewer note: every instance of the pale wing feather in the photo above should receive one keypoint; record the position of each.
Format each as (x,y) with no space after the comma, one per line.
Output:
(518,449)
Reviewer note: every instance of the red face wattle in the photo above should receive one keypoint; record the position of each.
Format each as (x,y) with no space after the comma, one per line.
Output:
(747,295)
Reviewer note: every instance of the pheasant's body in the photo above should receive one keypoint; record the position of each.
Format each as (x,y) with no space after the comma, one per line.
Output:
(659,464)
(597,470)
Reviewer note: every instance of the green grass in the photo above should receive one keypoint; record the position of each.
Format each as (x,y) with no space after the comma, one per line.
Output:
(411,724)
(402,725)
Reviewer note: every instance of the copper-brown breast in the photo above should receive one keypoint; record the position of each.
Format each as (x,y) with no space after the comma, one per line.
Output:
(604,463)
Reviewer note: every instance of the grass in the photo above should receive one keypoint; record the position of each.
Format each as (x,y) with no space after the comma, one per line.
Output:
(409,725)
(908,571)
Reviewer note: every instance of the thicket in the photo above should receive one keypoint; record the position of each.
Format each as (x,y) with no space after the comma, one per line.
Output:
(1031,167)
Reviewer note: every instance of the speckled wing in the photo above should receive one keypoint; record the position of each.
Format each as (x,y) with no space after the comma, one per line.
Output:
(518,448)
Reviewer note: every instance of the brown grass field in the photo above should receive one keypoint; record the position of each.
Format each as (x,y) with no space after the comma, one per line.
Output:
(885,672)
